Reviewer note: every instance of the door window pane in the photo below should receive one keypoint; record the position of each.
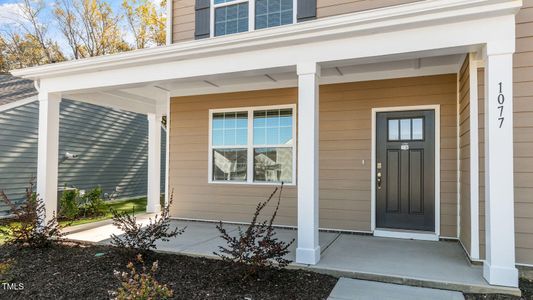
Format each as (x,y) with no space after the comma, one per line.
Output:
(273,165)
(418,129)
(229,164)
(405,129)
(393,130)
(231,19)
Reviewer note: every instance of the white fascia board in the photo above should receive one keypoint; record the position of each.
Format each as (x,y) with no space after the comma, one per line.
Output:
(18,103)
(420,26)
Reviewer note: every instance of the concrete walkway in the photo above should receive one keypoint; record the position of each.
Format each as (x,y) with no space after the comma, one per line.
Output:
(353,289)
(441,265)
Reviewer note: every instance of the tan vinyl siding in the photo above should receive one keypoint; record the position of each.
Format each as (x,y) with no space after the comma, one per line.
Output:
(464,155)
(326,8)
(523,134)
(481,137)
(183,20)
(345,141)
(193,196)
(523,140)
(183,13)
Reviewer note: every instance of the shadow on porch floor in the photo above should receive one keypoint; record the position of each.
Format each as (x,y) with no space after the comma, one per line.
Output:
(431,264)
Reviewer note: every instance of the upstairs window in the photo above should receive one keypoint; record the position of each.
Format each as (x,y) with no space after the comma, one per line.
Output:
(231,16)
(234,16)
(270,13)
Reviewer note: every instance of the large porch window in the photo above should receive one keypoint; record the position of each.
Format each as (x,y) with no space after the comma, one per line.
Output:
(252,145)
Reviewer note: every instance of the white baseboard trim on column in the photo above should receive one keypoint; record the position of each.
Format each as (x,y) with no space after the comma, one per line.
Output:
(308,256)
(503,276)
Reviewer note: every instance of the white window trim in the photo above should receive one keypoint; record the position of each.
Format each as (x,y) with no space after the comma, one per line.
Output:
(250,147)
(251,14)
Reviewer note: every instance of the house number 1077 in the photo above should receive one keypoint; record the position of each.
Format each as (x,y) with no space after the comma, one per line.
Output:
(501,101)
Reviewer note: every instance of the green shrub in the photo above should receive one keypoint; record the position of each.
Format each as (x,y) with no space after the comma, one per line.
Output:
(93,204)
(141,285)
(69,204)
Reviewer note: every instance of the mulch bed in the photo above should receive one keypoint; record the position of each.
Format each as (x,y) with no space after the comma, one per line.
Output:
(75,272)
(526,287)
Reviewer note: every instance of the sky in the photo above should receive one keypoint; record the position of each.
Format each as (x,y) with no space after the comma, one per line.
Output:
(10,13)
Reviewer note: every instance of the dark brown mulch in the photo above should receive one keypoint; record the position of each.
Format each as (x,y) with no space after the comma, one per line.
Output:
(75,272)
(526,287)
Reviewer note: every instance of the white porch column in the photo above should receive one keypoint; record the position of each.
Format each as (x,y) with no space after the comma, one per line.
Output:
(499,266)
(167,153)
(154,163)
(308,249)
(48,151)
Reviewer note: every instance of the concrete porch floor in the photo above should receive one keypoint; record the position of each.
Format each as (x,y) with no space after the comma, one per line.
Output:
(430,264)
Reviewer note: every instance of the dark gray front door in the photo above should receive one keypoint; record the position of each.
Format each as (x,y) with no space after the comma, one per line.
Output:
(405,170)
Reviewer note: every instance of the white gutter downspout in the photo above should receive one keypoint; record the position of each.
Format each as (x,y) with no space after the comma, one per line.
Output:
(169,22)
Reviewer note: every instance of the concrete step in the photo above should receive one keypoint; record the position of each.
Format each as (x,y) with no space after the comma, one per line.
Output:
(353,289)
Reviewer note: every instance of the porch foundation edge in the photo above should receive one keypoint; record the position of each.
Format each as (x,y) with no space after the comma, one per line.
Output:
(452,286)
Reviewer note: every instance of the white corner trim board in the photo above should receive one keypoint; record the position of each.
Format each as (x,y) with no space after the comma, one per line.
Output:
(397,233)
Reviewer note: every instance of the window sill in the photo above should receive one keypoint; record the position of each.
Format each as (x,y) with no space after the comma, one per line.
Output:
(211,182)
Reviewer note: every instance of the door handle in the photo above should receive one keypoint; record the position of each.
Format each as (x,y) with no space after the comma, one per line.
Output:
(379,180)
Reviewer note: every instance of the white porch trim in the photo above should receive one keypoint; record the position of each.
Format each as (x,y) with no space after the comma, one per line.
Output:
(323,40)
(48,152)
(18,103)
(167,153)
(396,233)
(474,158)
(308,249)
(154,164)
(170,22)
(499,266)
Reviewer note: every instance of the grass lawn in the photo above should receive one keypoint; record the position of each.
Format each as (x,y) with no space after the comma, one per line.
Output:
(137,205)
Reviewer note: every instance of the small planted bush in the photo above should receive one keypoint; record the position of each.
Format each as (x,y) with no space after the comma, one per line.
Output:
(27,228)
(93,204)
(143,238)
(69,204)
(141,285)
(256,247)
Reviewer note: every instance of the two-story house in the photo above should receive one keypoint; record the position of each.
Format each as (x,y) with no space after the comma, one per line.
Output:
(395,118)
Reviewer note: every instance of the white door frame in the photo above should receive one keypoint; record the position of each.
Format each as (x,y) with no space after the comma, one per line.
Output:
(407,234)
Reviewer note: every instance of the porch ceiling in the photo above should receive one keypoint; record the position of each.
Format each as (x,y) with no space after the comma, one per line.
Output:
(142,97)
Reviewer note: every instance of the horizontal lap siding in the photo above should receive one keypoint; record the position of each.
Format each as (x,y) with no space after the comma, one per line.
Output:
(184,13)
(464,148)
(523,140)
(183,20)
(189,134)
(326,8)
(523,134)
(345,141)
(112,146)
